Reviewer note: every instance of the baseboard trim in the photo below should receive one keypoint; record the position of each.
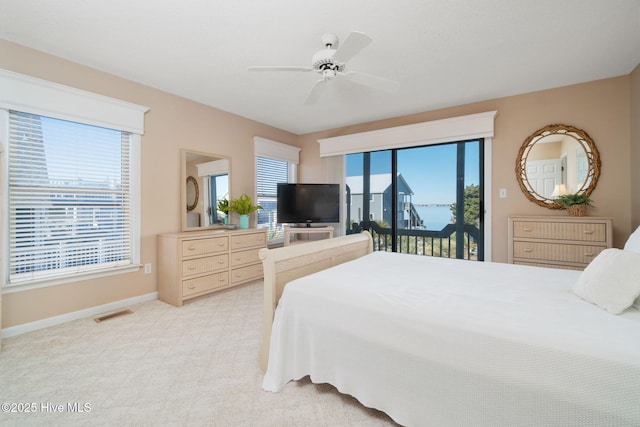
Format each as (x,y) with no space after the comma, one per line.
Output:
(75,315)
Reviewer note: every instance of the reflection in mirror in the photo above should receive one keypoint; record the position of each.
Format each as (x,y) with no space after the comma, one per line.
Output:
(555,160)
(207,181)
(193,193)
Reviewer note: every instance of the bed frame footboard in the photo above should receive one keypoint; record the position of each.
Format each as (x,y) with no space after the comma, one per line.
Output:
(282,265)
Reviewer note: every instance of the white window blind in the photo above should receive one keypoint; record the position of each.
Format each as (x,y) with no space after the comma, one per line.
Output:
(70,198)
(269,173)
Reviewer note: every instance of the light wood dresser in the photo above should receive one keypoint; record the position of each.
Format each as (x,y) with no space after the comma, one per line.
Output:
(558,241)
(196,263)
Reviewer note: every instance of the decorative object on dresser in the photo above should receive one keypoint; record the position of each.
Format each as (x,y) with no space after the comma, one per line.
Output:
(193,264)
(558,242)
(575,204)
(557,159)
(243,206)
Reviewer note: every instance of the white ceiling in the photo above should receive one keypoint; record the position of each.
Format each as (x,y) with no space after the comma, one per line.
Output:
(443,52)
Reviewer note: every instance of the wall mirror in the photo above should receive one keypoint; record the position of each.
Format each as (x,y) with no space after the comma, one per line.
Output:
(557,159)
(205,180)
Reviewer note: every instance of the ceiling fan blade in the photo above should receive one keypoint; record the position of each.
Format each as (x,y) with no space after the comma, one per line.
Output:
(316,91)
(372,81)
(269,68)
(354,43)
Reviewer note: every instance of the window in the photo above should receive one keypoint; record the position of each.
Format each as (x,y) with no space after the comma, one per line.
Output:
(275,162)
(70,183)
(428,198)
(477,126)
(69,198)
(269,173)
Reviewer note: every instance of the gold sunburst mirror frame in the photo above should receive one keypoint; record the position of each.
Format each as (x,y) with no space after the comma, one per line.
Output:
(557,154)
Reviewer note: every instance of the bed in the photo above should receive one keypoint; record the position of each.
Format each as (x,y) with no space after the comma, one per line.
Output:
(443,342)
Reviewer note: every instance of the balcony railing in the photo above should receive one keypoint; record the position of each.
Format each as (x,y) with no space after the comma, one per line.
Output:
(440,243)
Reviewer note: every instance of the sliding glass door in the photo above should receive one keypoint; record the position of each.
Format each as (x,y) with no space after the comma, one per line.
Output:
(422,200)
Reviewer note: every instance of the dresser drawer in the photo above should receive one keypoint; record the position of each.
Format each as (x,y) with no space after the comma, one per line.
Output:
(248,240)
(556,252)
(247,273)
(204,264)
(549,265)
(204,246)
(576,231)
(205,283)
(245,257)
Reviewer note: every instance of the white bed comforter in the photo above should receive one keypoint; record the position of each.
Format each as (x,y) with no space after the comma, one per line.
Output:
(440,342)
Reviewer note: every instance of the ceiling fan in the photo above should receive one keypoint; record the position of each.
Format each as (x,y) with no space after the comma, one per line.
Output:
(330,63)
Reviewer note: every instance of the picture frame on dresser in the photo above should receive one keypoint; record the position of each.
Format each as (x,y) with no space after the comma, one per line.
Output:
(558,241)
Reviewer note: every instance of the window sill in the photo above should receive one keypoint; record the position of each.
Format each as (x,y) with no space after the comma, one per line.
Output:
(63,280)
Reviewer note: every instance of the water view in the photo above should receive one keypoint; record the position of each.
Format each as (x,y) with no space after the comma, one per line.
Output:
(435,217)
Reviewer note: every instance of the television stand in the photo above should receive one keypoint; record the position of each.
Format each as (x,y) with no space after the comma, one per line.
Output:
(288,231)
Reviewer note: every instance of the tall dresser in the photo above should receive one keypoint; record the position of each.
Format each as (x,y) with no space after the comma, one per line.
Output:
(193,264)
(558,241)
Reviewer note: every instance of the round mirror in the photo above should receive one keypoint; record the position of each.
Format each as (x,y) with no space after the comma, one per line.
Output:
(192,193)
(556,160)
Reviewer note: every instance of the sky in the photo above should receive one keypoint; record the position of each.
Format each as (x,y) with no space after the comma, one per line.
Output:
(61,140)
(430,171)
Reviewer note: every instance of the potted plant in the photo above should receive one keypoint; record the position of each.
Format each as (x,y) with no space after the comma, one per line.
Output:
(243,206)
(223,206)
(576,204)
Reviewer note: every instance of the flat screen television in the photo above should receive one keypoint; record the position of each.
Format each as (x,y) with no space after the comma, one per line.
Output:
(308,203)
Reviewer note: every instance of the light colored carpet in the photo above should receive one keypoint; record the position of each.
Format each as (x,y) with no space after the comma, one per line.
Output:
(191,366)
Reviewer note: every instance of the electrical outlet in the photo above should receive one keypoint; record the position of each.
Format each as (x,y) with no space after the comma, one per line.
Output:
(503,193)
(147,269)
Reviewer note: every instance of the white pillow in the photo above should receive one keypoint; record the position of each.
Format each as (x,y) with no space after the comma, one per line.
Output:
(611,281)
(633,242)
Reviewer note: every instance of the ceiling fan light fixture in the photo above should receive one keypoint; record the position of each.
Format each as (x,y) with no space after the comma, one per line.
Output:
(330,40)
(323,59)
(331,61)
(328,74)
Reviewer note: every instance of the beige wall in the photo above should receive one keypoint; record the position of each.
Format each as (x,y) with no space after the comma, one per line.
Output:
(171,124)
(601,108)
(635,148)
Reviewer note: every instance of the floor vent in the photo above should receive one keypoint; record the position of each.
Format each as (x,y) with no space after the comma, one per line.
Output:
(113,315)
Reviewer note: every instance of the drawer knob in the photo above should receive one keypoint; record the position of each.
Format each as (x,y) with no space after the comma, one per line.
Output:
(191,248)
(191,286)
(220,261)
(588,231)
(528,250)
(192,267)
(526,229)
(588,254)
